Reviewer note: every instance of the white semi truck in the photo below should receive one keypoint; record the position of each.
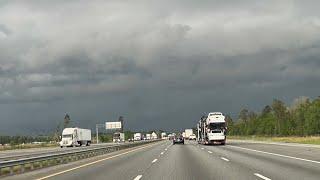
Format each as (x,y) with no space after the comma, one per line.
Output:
(75,137)
(137,137)
(118,137)
(164,135)
(154,135)
(148,136)
(212,129)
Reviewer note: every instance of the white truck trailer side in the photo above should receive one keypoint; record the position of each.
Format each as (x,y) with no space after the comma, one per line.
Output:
(75,137)
(188,133)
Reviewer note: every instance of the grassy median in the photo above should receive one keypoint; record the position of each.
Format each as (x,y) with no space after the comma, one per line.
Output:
(289,139)
(27,146)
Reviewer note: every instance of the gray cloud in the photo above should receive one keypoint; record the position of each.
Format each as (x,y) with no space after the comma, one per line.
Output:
(160,64)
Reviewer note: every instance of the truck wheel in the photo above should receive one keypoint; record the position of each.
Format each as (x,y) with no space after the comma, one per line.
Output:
(223,142)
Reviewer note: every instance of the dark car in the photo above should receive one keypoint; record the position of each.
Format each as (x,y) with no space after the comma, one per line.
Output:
(178,140)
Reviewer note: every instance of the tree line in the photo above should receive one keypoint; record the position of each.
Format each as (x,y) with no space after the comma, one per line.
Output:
(302,118)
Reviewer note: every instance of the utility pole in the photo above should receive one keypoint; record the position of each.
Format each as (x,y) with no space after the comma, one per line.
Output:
(97,130)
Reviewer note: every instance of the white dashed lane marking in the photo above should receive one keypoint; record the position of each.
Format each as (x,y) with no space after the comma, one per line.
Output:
(225,159)
(138,177)
(261,176)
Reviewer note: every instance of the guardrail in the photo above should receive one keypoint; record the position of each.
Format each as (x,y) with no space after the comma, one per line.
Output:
(12,167)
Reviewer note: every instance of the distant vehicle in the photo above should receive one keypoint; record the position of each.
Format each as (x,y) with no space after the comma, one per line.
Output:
(148,136)
(184,134)
(137,137)
(171,137)
(75,137)
(164,135)
(193,137)
(212,129)
(118,137)
(178,139)
(154,135)
(187,133)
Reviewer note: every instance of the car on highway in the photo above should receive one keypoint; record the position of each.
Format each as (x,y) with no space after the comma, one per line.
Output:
(193,137)
(178,139)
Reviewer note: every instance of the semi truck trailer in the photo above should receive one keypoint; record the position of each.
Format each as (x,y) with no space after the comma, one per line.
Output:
(75,137)
(212,129)
(188,133)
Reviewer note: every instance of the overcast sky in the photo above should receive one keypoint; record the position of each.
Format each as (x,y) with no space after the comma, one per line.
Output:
(160,64)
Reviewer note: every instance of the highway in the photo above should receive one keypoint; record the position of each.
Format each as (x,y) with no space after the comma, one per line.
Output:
(33,152)
(162,160)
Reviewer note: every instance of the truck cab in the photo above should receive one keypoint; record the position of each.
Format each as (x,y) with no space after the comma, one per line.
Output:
(68,137)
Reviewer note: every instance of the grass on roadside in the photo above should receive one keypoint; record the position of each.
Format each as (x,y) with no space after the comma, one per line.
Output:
(289,139)
(26,146)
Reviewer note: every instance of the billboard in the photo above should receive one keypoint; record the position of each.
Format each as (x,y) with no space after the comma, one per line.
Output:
(113,125)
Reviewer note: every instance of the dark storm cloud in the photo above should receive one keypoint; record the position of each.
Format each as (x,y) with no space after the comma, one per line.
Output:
(160,64)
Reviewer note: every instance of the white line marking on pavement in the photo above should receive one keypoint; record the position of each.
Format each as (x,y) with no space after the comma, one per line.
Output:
(138,177)
(274,154)
(155,160)
(202,148)
(94,162)
(162,153)
(262,177)
(225,159)
(210,152)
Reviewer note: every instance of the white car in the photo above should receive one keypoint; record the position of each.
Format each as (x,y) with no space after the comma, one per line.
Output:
(192,137)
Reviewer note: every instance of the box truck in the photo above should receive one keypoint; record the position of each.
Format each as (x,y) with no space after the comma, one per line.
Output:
(212,129)
(75,137)
(137,136)
(188,133)
(148,136)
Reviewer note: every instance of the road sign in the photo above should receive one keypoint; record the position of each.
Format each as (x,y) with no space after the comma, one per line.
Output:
(113,125)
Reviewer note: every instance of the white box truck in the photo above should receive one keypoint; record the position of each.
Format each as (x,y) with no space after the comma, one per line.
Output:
(118,137)
(137,136)
(212,129)
(164,135)
(75,137)
(148,136)
(188,133)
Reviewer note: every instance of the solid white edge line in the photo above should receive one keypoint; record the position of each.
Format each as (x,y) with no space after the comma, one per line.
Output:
(209,152)
(138,177)
(274,154)
(225,159)
(261,176)
(155,160)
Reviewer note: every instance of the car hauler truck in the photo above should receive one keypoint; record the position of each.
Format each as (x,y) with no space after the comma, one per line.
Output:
(212,129)
(75,137)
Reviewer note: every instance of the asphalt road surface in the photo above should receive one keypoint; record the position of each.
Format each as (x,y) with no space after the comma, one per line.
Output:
(162,160)
(32,152)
